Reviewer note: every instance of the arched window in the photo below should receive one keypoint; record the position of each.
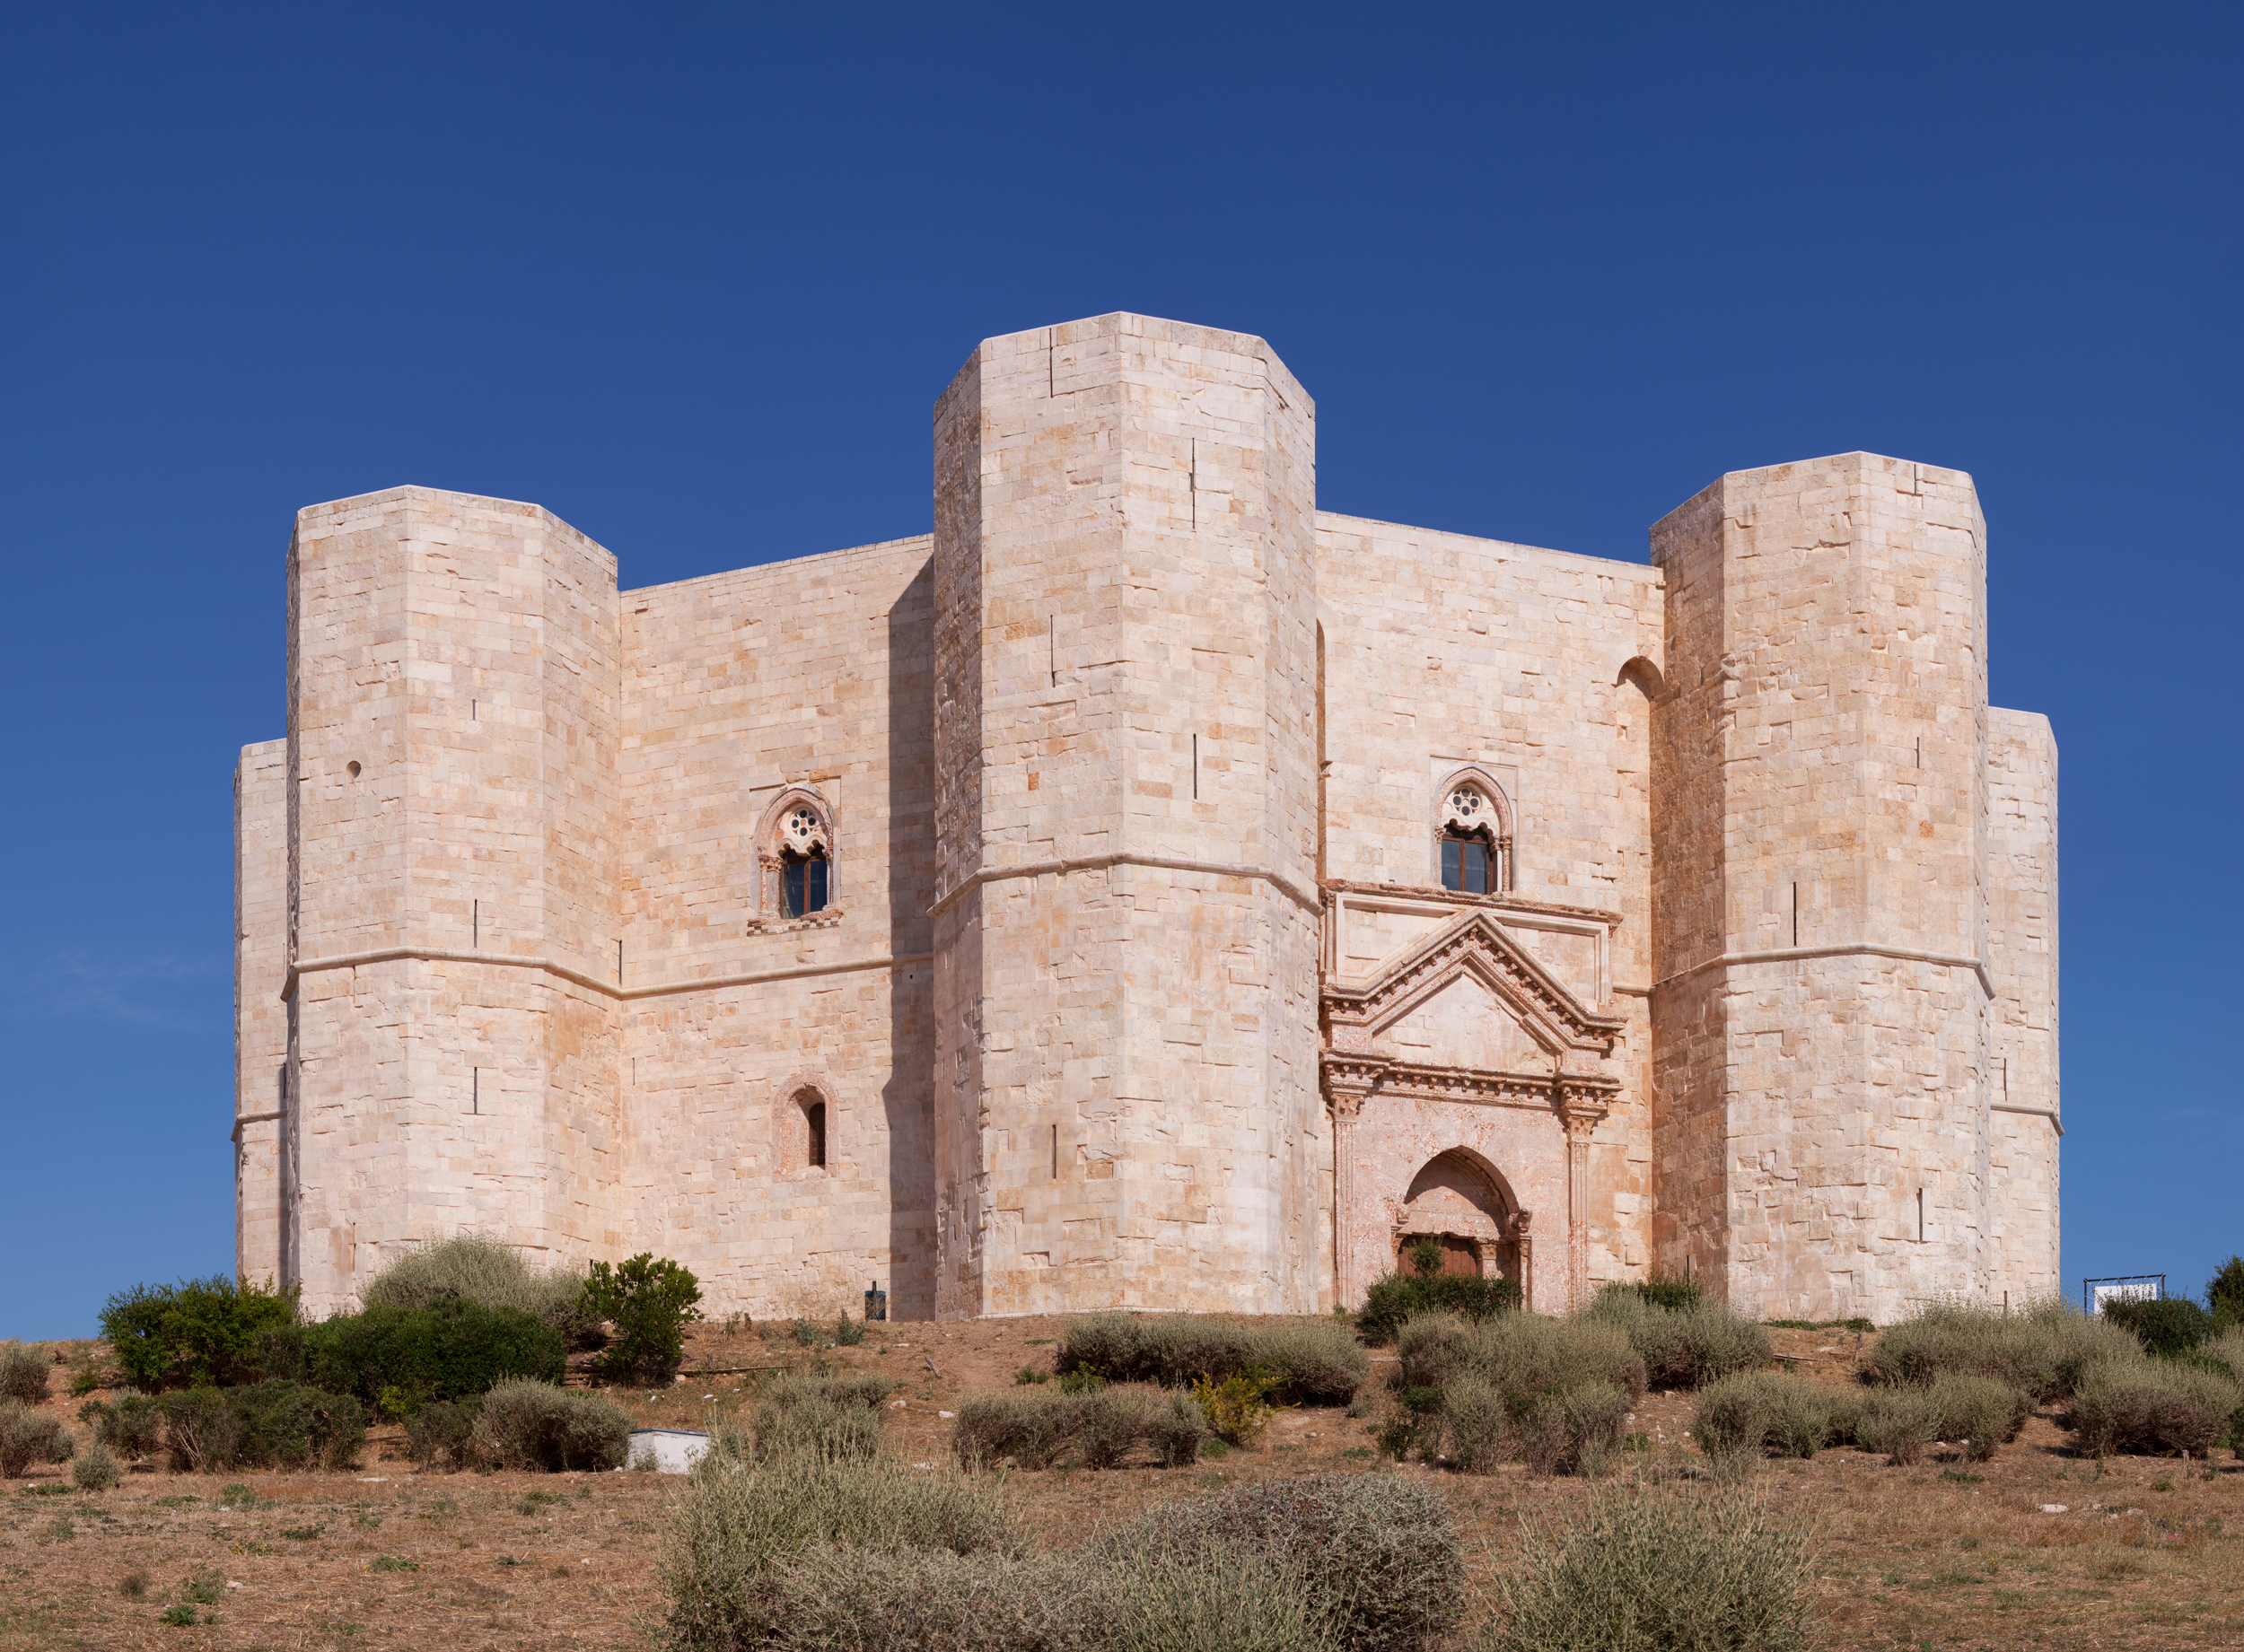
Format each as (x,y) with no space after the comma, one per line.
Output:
(813,1110)
(802,864)
(795,846)
(1472,859)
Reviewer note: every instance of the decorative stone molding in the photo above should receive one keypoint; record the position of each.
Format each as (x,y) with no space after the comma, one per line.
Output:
(1472,943)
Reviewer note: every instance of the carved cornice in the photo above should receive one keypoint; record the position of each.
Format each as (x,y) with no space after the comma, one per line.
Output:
(1463,902)
(1353,1077)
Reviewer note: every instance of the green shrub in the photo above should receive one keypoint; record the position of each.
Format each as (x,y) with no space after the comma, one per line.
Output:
(1741,1415)
(1572,1430)
(1312,1361)
(274,1424)
(1977,1413)
(2153,1405)
(1476,1425)
(532,1425)
(1398,1297)
(1685,1346)
(2224,1294)
(650,1302)
(824,1599)
(1664,1290)
(1519,1353)
(1238,1409)
(131,1426)
(24,1373)
(2165,1325)
(1098,1428)
(29,1437)
(1376,1554)
(736,1528)
(483,1268)
(1900,1421)
(1659,1570)
(196,1333)
(834,1418)
(2042,1349)
(94,1469)
(451,1348)
(442,1434)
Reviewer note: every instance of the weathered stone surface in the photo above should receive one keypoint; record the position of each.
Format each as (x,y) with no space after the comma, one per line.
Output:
(1138,984)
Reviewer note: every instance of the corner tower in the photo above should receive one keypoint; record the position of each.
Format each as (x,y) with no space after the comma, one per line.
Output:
(451,802)
(1821,1009)
(1125,920)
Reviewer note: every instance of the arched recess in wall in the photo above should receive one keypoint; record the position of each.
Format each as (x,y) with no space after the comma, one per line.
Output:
(803,1119)
(1473,842)
(1644,674)
(1464,1204)
(798,875)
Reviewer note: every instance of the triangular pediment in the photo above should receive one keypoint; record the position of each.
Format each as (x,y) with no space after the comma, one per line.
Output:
(1472,949)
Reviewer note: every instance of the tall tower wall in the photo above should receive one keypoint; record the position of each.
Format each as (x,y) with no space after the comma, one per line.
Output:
(1125,932)
(452,759)
(2022,1086)
(1821,1007)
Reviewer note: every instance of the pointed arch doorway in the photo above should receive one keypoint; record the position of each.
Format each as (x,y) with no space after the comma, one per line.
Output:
(1459,1207)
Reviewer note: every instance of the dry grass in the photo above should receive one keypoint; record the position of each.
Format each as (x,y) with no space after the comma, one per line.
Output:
(1947,1553)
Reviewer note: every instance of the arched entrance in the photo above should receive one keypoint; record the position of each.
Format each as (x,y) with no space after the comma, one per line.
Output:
(1459,1217)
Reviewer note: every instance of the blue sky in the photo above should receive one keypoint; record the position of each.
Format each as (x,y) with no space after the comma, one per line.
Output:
(693,277)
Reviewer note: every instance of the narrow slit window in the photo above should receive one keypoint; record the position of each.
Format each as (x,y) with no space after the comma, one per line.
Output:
(814,1126)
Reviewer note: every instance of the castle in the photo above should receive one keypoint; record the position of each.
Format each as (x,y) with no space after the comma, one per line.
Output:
(1148,890)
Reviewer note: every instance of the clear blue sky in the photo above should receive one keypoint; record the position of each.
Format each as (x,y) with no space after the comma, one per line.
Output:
(693,277)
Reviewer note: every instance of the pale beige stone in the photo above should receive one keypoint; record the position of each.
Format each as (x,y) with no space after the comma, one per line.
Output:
(1138,986)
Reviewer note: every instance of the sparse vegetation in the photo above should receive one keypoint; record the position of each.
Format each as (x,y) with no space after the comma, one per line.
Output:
(485,1268)
(199,1333)
(1039,1428)
(2042,1349)
(29,1437)
(1309,1362)
(2154,1405)
(94,1469)
(1523,1353)
(24,1373)
(834,1418)
(1650,1569)
(276,1424)
(1740,1416)
(442,1434)
(1684,1342)
(649,1301)
(532,1425)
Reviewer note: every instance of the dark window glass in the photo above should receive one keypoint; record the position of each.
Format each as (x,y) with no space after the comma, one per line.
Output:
(803,887)
(1465,865)
(815,1116)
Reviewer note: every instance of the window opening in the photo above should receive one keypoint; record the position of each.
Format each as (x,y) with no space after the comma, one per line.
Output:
(814,1147)
(1469,863)
(805,884)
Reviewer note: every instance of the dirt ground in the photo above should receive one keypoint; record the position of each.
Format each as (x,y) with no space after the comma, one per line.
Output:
(1941,1555)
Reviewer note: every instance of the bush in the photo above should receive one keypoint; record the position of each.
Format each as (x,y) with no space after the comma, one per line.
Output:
(2166,1325)
(1572,1430)
(1741,1415)
(196,1333)
(24,1373)
(131,1426)
(836,1419)
(1685,1346)
(449,1349)
(2042,1349)
(1664,1290)
(1376,1555)
(1979,1414)
(1311,1361)
(2224,1294)
(483,1268)
(2153,1405)
(94,1470)
(29,1437)
(1237,1408)
(738,1526)
(1099,1426)
(1648,1570)
(1519,1353)
(1899,1422)
(1397,1298)
(533,1425)
(441,1434)
(274,1424)
(650,1302)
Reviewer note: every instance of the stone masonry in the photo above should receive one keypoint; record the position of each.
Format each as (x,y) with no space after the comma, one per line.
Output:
(1142,972)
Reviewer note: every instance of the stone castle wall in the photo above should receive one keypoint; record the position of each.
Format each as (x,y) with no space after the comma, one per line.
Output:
(1139,986)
